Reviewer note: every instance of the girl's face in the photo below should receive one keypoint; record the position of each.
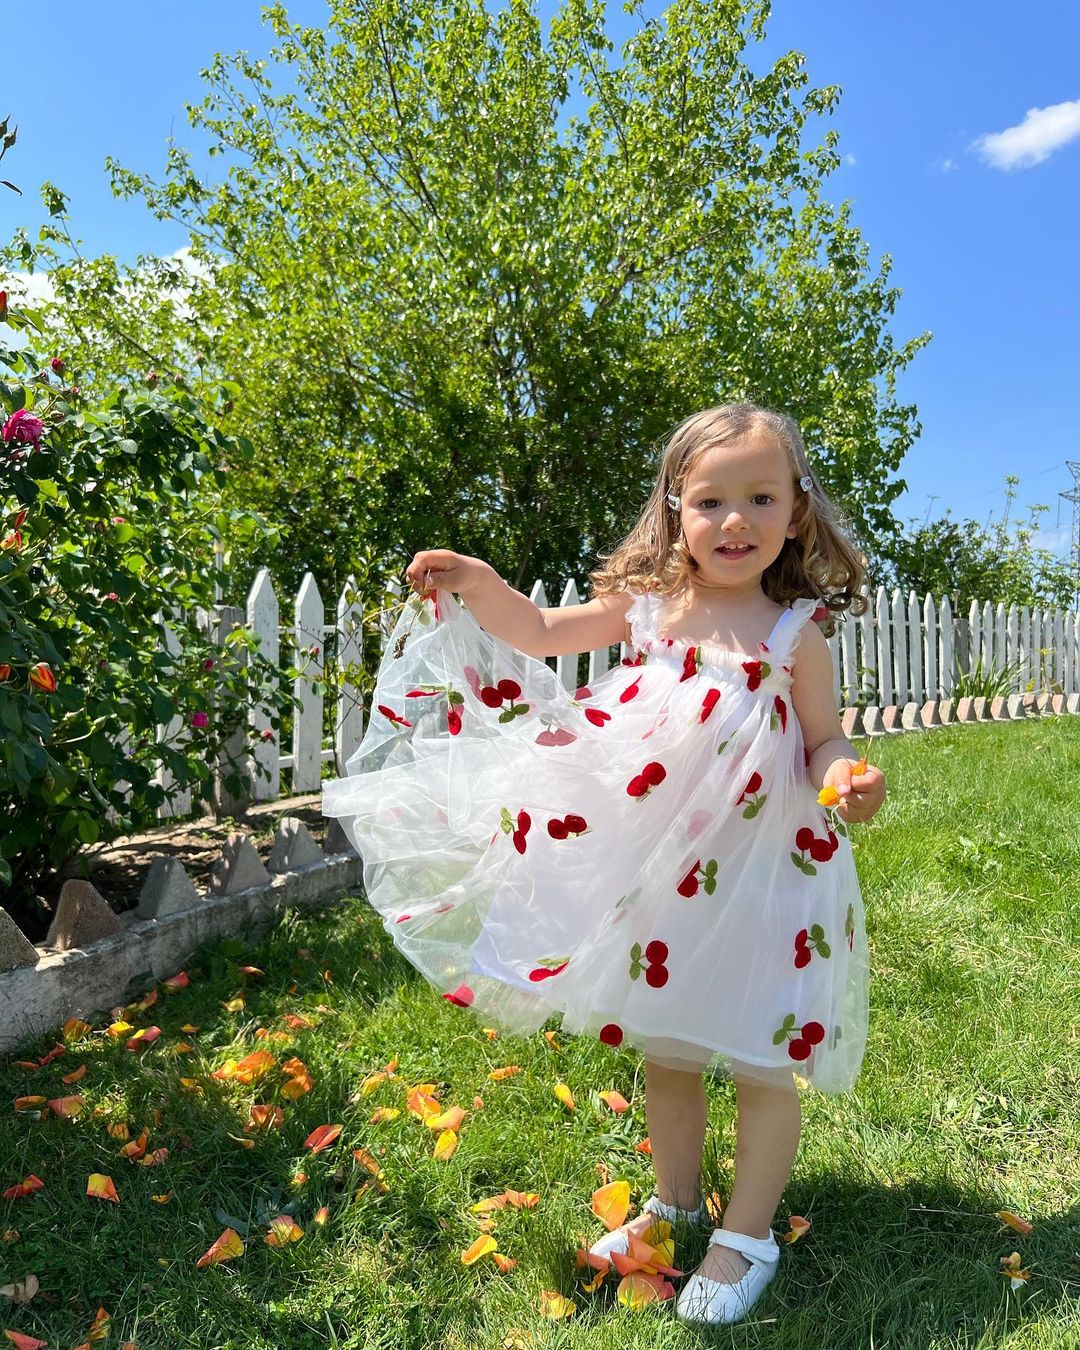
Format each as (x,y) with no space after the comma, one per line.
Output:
(738,507)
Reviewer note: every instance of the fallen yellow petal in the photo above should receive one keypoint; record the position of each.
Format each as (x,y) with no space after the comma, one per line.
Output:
(101,1187)
(483,1244)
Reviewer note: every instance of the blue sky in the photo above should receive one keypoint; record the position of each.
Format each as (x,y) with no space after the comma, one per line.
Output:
(961,127)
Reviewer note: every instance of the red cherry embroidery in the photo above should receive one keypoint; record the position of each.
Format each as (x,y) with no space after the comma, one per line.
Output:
(806,942)
(545,972)
(642,783)
(453,721)
(698,877)
(799,1046)
(393,716)
(691,664)
(583,692)
(756,671)
(611,1034)
(631,691)
(462,996)
(423,693)
(597,716)
(709,702)
(653,964)
(569,825)
(639,660)
(780,712)
(555,736)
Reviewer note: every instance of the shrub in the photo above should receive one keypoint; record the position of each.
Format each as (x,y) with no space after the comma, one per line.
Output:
(109,519)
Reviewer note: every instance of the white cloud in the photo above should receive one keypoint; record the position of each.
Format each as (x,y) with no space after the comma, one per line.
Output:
(850,159)
(29,288)
(1057,541)
(1042,131)
(949,166)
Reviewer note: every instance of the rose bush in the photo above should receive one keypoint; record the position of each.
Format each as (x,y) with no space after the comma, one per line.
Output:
(108,517)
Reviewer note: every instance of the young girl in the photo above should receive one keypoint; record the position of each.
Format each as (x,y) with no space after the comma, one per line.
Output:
(645,856)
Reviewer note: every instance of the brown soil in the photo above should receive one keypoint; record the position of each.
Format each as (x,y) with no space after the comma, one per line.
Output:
(119,869)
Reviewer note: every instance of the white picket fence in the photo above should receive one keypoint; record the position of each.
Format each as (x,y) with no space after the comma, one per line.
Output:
(902,651)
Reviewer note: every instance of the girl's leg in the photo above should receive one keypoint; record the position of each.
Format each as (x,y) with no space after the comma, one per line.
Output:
(675,1108)
(769,1124)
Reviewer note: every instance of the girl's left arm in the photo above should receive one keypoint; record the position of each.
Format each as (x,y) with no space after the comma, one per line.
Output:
(832,756)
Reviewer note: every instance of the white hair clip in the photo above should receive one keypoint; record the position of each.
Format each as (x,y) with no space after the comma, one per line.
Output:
(806,482)
(674,502)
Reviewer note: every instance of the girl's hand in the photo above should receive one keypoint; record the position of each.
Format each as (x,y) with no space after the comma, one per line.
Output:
(442,569)
(860,796)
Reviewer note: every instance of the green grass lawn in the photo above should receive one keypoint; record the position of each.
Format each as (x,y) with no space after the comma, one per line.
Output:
(967,1104)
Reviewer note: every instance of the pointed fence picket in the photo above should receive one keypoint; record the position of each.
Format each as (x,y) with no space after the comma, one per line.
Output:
(900,650)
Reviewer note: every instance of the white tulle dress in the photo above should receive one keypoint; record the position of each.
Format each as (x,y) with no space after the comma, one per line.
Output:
(645,857)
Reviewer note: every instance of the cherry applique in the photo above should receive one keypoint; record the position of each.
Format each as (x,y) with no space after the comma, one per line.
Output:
(597,716)
(821,850)
(555,736)
(547,967)
(643,783)
(691,664)
(756,671)
(778,715)
(799,1047)
(631,691)
(639,660)
(656,972)
(690,883)
(754,802)
(568,827)
(709,702)
(506,691)
(506,824)
(462,996)
(610,1034)
(393,716)
(806,942)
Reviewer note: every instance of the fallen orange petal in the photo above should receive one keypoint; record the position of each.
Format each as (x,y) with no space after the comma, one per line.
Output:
(504,1263)
(553,1304)
(74,1029)
(141,1039)
(100,1187)
(66,1106)
(322,1137)
(227,1246)
(382,1113)
(283,1230)
(22,1342)
(1014,1221)
(565,1096)
(75,1075)
(611,1203)
(175,983)
(497,1075)
(615,1100)
(483,1244)
(28,1103)
(799,1226)
(644,1147)
(446,1144)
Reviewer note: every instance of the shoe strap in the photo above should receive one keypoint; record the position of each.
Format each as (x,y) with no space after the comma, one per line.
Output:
(763,1250)
(672,1212)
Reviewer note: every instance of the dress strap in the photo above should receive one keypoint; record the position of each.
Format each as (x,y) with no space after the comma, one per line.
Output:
(643,616)
(787,630)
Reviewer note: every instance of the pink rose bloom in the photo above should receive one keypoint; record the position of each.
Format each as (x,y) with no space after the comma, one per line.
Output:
(111,595)
(200,720)
(22,428)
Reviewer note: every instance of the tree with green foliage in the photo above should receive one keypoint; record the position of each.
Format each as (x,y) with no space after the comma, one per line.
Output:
(971,562)
(461,318)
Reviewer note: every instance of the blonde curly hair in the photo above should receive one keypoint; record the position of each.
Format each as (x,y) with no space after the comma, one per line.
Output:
(821,561)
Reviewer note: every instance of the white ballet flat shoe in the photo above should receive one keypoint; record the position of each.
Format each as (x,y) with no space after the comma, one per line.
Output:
(619,1241)
(705,1300)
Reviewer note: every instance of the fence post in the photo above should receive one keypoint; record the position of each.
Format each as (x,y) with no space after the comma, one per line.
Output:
(899,641)
(228,801)
(349,708)
(917,688)
(931,648)
(308,717)
(846,635)
(263,620)
(868,658)
(948,651)
(1012,643)
(884,645)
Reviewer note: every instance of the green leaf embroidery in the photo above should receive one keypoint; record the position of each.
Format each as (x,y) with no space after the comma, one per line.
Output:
(824,948)
(779,1037)
(816,931)
(709,885)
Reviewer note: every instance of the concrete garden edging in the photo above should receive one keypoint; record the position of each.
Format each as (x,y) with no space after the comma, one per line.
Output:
(75,977)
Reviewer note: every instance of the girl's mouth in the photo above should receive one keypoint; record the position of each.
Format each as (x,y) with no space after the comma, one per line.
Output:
(734,551)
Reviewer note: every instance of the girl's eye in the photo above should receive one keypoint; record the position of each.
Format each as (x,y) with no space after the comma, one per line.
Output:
(761,497)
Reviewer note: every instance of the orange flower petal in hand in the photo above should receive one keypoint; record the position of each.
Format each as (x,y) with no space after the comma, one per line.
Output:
(615,1100)
(322,1138)
(553,1304)
(477,1249)
(228,1246)
(101,1187)
(611,1203)
(828,796)
(799,1226)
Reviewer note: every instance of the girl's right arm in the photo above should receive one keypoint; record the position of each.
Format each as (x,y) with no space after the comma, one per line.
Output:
(511,616)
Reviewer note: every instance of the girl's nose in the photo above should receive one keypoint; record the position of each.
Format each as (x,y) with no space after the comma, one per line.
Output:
(734,520)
